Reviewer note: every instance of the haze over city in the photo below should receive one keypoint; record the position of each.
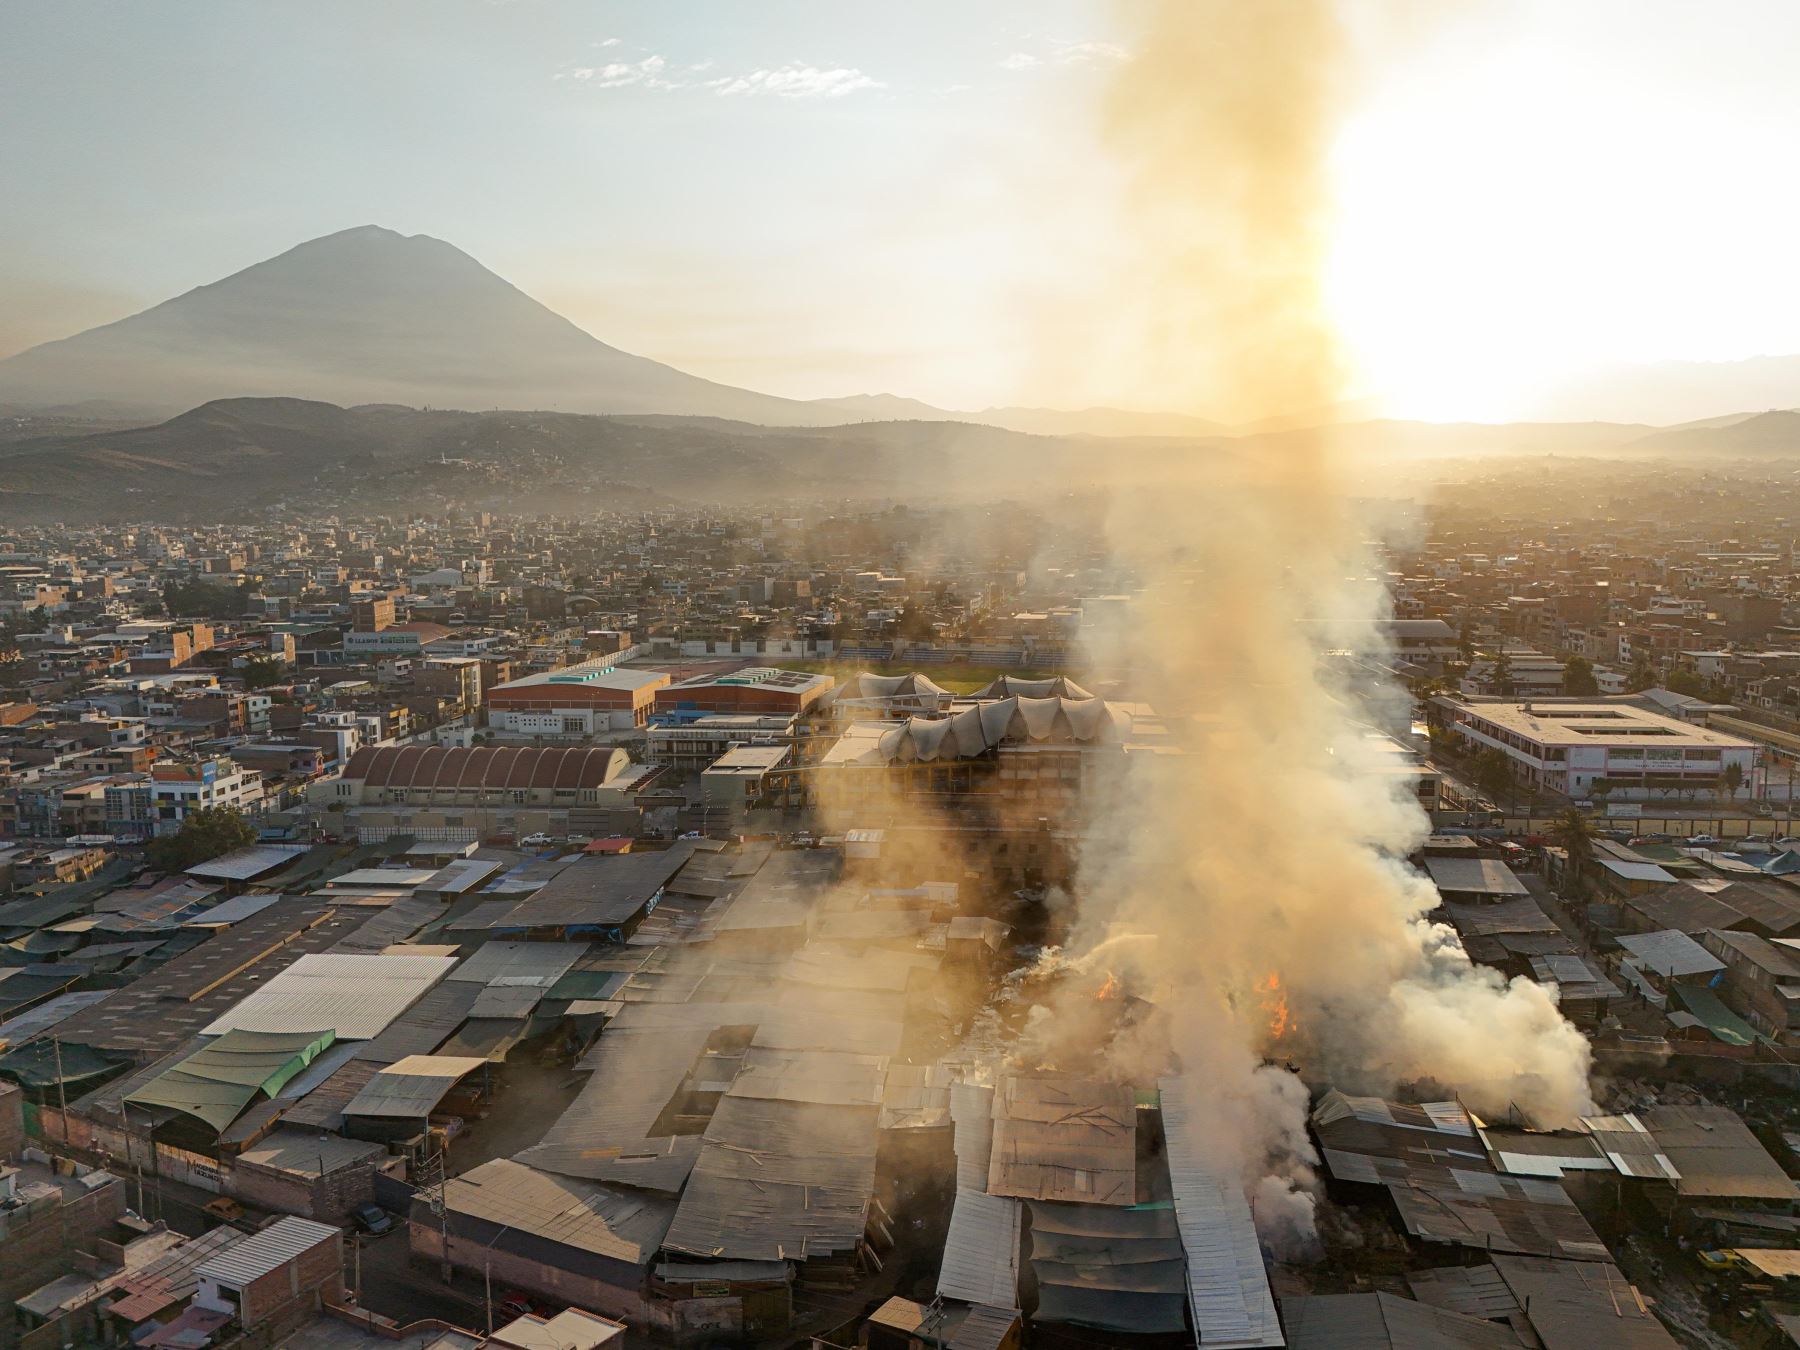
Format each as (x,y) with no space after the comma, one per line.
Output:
(1022,677)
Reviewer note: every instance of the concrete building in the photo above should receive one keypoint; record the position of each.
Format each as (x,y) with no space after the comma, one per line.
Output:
(759,690)
(576,701)
(1569,746)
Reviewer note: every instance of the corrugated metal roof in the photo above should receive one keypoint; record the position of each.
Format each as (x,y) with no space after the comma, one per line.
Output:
(1670,952)
(1474,876)
(356,996)
(981,1251)
(1383,1321)
(621,1225)
(1228,1288)
(411,1088)
(972,1110)
(266,1251)
(1577,1305)
(244,863)
(540,964)
(1716,1154)
(506,1000)
(1630,1147)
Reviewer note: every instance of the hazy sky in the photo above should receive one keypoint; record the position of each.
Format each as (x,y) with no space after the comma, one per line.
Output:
(830,198)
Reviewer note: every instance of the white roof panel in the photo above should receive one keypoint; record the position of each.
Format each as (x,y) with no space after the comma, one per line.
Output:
(355,996)
(1228,1287)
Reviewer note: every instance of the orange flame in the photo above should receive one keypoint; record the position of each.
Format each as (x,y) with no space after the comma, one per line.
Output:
(1109,990)
(1275,1006)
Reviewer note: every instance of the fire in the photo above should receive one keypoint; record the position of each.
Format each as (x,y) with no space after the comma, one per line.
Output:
(1275,1006)
(1109,990)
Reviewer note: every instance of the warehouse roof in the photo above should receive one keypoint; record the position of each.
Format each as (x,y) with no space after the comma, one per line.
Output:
(1474,876)
(245,863)
(1576,1305)
(1228,1286)
(217,1082)
(1716,1154)
(1058,1137)
(621,1225)
(411,1088)
(1382,1321)
(486,768)
(356,996)
(533,964)
(601,891)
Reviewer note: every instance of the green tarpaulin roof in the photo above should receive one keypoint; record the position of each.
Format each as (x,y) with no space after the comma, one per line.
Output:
(218,1081)
(1715,1016)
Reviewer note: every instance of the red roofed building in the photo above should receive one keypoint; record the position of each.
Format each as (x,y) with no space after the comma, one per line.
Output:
(481,776)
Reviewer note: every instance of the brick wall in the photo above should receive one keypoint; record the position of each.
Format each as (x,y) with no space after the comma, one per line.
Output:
(12,1121)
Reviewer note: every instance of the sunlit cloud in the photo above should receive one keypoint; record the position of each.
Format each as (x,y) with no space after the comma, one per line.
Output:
(796,81)
(1060,53)
(792,81)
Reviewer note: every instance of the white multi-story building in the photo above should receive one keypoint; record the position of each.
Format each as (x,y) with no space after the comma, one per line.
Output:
(1568,746)
(178,788)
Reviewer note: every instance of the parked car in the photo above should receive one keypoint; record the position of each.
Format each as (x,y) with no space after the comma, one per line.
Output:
(1757,841)
(1705,840)
(373,1220)
(536,841)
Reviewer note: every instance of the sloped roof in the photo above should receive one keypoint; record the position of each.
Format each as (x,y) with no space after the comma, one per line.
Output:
(603,1220)
(356,996)
(1228,1286)
(410,1089)
(218,1081)
(1716,1154)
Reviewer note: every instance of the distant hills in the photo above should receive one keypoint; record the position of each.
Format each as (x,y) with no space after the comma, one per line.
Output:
(245,454)
(242,454)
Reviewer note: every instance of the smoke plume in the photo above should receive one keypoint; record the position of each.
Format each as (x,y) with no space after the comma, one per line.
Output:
(1264,859)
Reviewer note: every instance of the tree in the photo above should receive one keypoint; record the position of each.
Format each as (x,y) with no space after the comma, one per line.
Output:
(1732,779)
(1574,833)
(1493,772)
(1642,676)
(1600,789)
(1578,678)
(1504,684)
(207,833)
(259,672)
(1685,682)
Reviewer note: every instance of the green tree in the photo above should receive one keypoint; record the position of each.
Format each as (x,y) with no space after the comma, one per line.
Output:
(1504,684)
(1578,678)
(1732,779)
(259,672)
(207,833)
(1643,674)
(1574,834)
(1685,682)
(1493,772)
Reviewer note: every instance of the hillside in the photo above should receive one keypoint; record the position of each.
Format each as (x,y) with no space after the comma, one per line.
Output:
(244,454)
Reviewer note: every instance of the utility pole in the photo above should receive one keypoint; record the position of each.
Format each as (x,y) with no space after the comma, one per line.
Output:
(62,1091)
(357,1239)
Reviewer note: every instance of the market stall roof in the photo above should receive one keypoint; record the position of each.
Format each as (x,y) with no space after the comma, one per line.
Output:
(411,1088)
(356,996)
(217,1082)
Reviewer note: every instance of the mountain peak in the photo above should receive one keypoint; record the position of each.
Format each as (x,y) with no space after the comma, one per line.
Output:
(369,315)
